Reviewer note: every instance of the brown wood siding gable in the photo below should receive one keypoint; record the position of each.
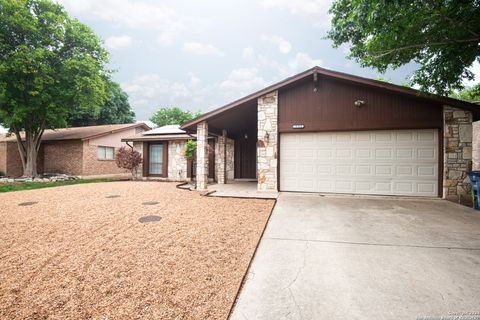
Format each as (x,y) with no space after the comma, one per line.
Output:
(332,107)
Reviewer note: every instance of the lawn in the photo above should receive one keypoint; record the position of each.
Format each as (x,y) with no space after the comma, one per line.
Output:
(18,186)
(80,252)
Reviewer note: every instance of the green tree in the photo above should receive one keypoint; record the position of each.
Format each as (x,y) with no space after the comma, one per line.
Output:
(173,115)
(48,63)
(115,110)
(471,94)
(442,36)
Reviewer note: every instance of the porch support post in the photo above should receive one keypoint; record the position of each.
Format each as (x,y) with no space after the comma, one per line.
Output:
(222,158)
(202,155)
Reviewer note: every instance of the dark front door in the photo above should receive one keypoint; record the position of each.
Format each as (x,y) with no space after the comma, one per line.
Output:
(245,158)
(211,159)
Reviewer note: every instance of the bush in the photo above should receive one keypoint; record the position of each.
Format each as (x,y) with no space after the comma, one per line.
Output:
(129,159)
(190,149)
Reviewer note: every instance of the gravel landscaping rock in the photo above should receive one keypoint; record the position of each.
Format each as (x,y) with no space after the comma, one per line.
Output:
(79,255)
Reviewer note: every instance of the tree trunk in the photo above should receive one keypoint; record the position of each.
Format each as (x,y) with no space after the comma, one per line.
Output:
(28,150)
(30,169)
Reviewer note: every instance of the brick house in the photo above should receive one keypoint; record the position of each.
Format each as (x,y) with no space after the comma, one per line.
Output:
(331,132)
(81,151)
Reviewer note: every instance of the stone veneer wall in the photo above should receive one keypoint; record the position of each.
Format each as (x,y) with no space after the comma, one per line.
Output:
(177,164)
(457,137)
(267,146)
(202,156)
(476,146)
(138,146)
(219,160)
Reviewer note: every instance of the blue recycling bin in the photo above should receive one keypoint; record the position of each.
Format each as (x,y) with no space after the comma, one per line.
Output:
(474,177)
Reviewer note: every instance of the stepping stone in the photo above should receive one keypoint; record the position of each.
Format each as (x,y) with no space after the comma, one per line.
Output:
(149,219)
(150,203)
(28,203)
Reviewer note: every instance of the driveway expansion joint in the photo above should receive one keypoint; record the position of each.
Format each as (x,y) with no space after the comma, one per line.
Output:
(375,244)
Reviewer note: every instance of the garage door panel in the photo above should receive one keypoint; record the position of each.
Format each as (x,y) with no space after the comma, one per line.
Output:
(398,162)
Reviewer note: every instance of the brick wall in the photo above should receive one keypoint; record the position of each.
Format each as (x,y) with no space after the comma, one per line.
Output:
(14,162)
(3,157)
(63,157)
(93,166)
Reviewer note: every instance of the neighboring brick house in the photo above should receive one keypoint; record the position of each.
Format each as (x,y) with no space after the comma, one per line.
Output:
(163,153)
(331,132)
(81,151)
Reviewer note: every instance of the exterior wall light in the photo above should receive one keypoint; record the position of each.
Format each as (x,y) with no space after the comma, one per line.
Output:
(359,103)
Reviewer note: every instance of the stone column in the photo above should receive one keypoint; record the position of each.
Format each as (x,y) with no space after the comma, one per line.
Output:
(138,146)
(202,155)
(220,158)
(457,157)
(267,142)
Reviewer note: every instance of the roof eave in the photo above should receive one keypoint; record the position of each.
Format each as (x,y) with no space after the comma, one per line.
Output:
(338,75)
(98,135)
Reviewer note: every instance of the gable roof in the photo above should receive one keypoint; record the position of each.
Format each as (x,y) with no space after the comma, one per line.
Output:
(83,133)
(341,76)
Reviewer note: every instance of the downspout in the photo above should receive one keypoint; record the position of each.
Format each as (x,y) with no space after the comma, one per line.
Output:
(128,144)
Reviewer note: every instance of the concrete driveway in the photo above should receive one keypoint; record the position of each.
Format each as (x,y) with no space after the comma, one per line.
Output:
(327,257)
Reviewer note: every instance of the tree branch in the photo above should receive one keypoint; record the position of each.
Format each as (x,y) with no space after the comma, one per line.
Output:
(441,43)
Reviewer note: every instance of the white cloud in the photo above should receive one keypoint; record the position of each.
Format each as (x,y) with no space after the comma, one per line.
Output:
(475,68)
(316,9)
(242,81)
(283,45)
(147,92)
(118,42)
(248,53)
(133,14)
(304,7)
(3,130)
(303,61)
(203,49)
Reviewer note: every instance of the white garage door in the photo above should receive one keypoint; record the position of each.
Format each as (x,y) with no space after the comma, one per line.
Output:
(394,162)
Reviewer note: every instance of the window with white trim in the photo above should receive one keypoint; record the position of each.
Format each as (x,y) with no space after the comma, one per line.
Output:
(105,153)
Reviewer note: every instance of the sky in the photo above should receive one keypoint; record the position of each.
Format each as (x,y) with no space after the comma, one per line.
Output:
(199,55)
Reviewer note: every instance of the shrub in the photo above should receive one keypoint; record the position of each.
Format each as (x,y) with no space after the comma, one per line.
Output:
(190,149)
(129,159)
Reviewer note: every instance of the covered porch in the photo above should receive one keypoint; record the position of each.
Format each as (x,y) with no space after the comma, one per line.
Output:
(246,136)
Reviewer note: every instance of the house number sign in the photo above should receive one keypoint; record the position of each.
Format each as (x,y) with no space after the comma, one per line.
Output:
(298,126)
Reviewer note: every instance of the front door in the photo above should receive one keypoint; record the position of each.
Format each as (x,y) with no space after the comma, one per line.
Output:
(245,158)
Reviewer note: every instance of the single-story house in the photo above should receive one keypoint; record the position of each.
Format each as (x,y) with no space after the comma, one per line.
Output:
(81,151)
(163,153)
(331,132)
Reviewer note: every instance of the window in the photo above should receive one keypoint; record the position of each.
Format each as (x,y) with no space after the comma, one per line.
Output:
(105,153)
(156,159)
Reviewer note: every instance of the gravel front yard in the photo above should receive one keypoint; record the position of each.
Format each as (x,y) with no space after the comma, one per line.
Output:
(77,254)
